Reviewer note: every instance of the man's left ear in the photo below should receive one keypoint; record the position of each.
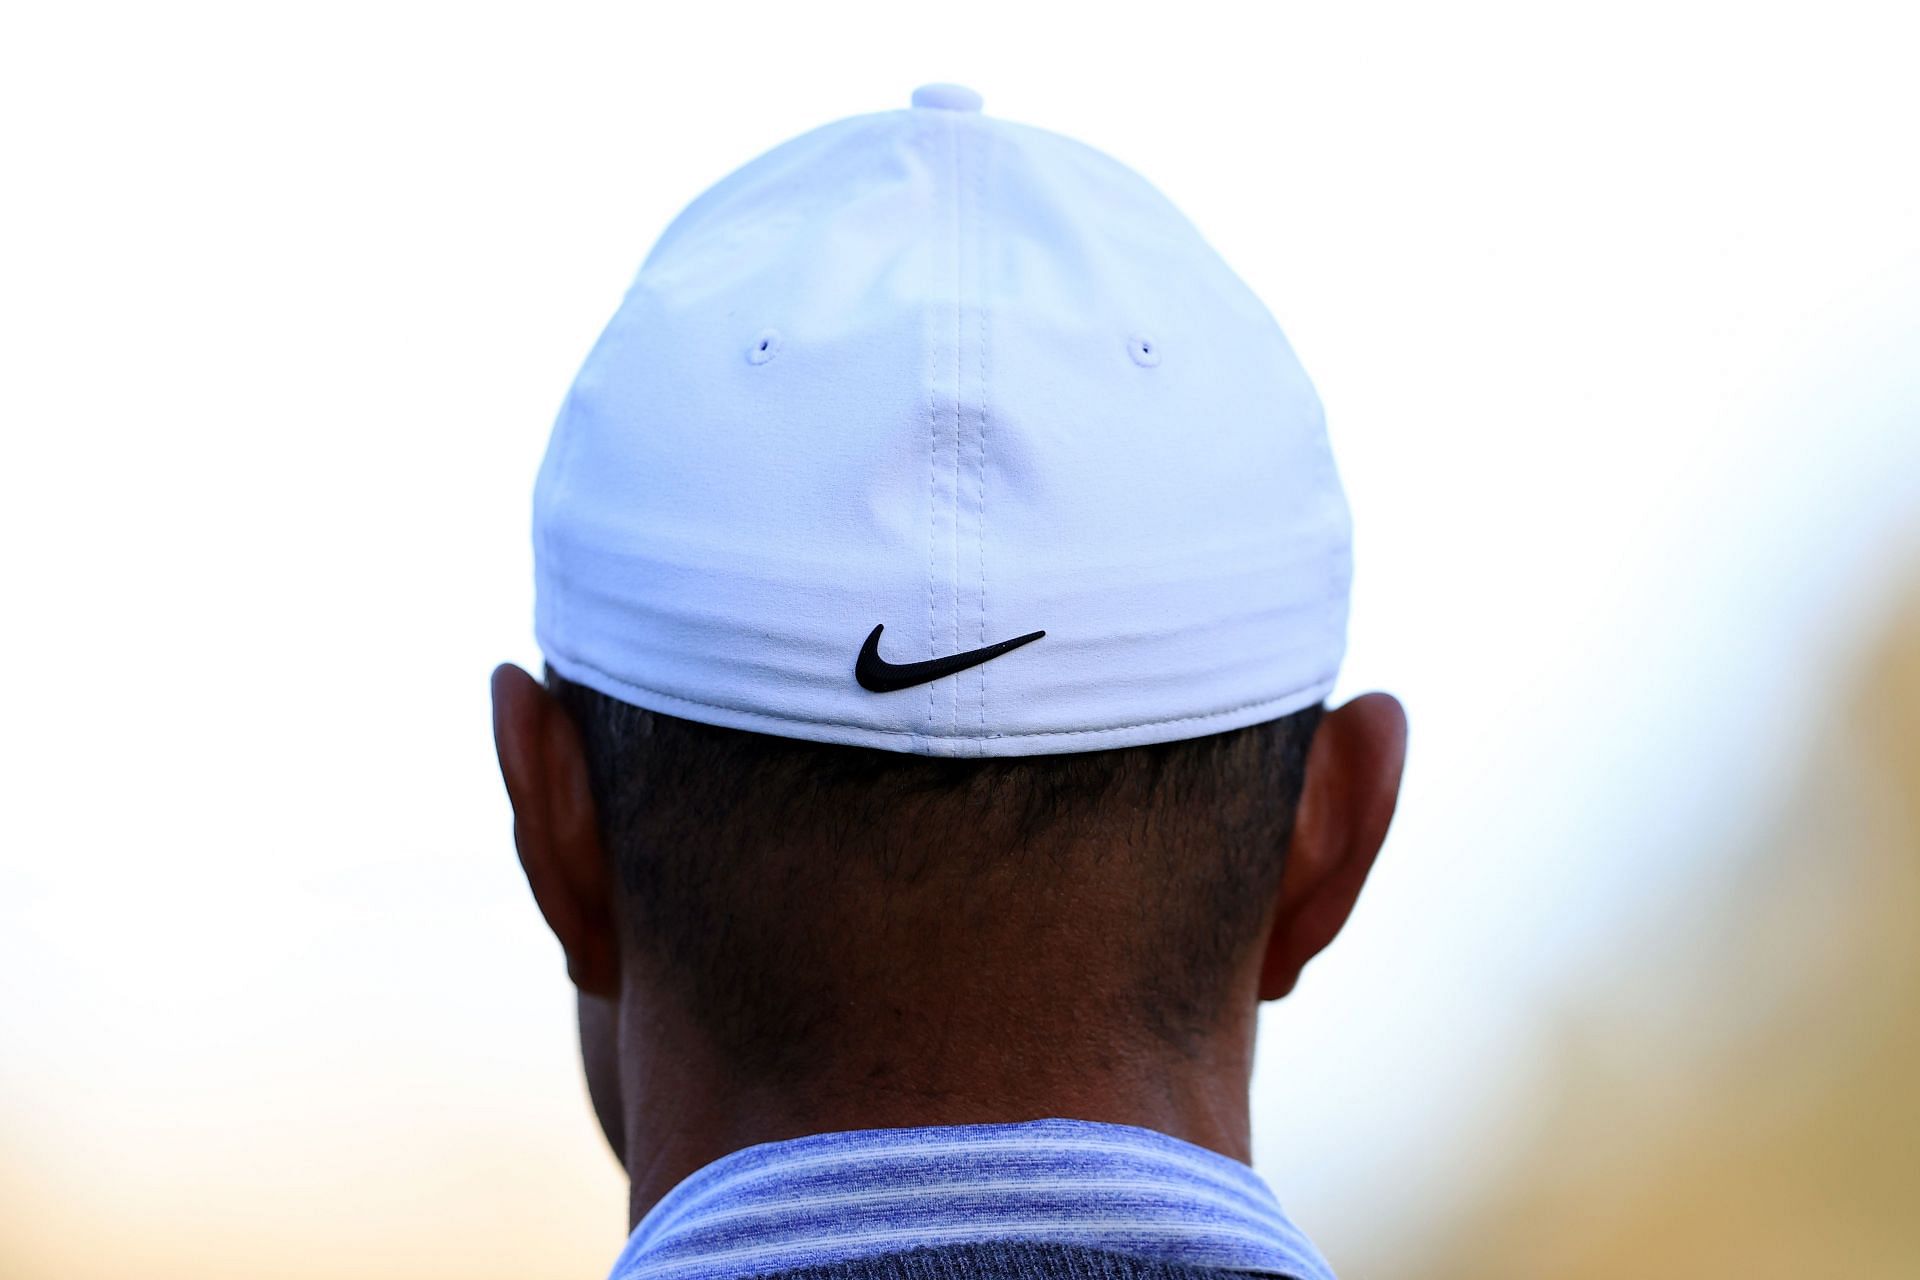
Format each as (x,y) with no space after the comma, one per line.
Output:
(555,827)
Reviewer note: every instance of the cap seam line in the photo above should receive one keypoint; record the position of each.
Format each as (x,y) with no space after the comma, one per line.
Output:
(914,733)
(980,476)
(954,140)
(933,451)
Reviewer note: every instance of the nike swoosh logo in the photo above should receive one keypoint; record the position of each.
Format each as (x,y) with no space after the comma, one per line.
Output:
(877,675)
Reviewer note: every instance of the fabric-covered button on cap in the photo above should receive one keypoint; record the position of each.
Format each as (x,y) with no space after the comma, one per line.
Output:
(946,97)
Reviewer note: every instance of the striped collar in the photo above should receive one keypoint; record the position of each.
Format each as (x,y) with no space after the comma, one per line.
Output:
(833,1197)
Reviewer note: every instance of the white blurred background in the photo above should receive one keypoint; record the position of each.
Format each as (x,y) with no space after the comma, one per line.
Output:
(1616,314)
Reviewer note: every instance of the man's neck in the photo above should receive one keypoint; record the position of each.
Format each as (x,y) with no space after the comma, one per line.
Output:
(682,1112)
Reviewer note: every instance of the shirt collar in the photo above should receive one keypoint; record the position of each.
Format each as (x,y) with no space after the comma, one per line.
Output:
(832,1197)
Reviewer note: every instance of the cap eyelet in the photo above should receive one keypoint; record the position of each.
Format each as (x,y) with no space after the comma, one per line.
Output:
(765,347)
(1145,351)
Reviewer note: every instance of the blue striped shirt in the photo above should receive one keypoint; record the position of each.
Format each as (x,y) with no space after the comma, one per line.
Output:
(833,1197)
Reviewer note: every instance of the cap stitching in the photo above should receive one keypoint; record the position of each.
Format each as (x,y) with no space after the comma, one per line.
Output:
(933,451)
(980,476)
(963,737)
(959,401)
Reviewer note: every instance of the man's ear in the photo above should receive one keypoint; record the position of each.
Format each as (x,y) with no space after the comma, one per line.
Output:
(555,827)
(1346,803)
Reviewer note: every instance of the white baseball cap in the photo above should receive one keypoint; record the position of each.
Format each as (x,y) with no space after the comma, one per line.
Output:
(936,433)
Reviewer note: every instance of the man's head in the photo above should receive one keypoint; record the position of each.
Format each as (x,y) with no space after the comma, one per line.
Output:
(941,567)
(831,918)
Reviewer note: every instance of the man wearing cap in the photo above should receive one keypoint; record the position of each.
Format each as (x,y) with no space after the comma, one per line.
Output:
(941,570)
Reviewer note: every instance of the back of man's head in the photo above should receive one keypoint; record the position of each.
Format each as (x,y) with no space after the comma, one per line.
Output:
(812,903)
(941,569)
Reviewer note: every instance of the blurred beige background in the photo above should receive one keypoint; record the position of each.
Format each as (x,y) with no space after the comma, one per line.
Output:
(1740,1096)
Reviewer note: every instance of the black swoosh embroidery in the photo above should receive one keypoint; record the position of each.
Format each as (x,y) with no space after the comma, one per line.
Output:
(877,675)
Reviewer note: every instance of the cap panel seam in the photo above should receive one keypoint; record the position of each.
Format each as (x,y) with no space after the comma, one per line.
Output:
(933,418)
(980,476)
(954,139)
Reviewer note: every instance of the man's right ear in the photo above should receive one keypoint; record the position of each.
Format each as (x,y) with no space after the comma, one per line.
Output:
(555,827)
(1346,803)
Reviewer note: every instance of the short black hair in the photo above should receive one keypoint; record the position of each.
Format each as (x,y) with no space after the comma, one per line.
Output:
(786,890)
